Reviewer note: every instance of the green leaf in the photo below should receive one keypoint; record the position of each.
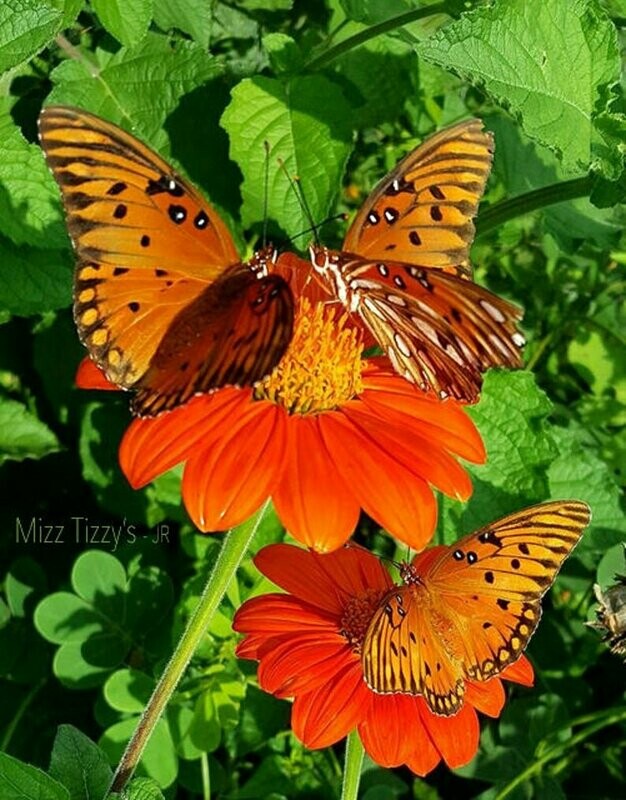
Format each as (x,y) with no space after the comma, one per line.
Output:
(189,16)
(62,617)
(306,124)
(612,564)
(143,789)
(25,580)
(577,472)
(521,54)
(100,580)
(283,52)
(30,212)
(164,70)
(79,765)
(33,281)
(22,435)
(70,9)
(128,690)
(5,613)
(159,760)
(205,730)
(26,27)
(85,665)
(127,20)
(19,781)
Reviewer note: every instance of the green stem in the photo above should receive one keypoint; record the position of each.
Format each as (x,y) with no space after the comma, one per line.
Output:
(352,767)
(231,554)
(500,213)
(323,59)
(597,723)
(21,710)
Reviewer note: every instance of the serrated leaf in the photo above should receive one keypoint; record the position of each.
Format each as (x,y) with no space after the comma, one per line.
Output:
(165,70)
(22,435)
(79,765)
(19,781)
(33,281)
(189,16)
(579,473)
(518,53)
(143,789)
(30,211)
(126,20)
(26,27)
(306,124)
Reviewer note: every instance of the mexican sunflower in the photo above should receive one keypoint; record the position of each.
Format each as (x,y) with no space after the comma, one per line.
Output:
(308,643)
(327,433)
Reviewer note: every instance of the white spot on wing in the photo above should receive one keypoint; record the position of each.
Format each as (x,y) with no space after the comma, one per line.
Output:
(518,339)
(493,312)
(402,345)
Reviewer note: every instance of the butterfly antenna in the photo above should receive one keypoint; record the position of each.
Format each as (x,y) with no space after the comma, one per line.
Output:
(296,187)
(266,182)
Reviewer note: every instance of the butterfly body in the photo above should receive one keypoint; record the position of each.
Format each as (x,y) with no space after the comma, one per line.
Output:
(162,300)
(404,268)
(466,612)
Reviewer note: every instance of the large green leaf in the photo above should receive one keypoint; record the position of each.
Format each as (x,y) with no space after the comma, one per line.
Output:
(26,26)
(23,435)
(79,765)
(19,781)
(306,124)
(127,20)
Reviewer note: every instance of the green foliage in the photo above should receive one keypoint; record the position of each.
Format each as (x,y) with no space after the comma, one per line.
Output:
(98,579)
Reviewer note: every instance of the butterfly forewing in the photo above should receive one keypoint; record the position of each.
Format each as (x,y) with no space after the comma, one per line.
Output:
(478,601)
(151,252)
(422,211)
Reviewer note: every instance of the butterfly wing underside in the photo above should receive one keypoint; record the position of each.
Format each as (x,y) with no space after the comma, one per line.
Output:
(151,254)
(481,606)
(422,211)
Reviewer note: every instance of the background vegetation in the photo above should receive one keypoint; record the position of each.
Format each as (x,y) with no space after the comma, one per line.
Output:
(87,622)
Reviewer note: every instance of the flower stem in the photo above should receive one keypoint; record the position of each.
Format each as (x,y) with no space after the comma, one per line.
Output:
(231,554)
(498,214)
(352,767)
(324,58)
(596,722)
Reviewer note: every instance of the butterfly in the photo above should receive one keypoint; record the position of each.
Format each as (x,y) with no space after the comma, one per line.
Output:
(467,612)
(162,300)
(404,268)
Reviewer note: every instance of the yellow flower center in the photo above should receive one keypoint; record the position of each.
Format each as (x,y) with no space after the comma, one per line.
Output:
(321,370)
(357,615)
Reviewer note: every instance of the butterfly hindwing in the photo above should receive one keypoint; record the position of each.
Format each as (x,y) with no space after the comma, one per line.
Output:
(151,252)
(468,611)
(422,211)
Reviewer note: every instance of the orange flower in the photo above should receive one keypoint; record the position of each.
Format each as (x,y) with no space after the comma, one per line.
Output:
(326,434)
(308,644)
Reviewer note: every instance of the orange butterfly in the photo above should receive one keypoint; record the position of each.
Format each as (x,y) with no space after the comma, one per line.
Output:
(162,300)
(467,612)
(405,263)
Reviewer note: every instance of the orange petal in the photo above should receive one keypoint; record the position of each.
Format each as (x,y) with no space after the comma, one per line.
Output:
(312,500)
(455,737)
(298,665)
(399,500)
(328,714)
(152,446)
(520,672)
(421,456)
(393,729)
(446,421)
(487,697)
(224,485)
(324,581)
(89,376)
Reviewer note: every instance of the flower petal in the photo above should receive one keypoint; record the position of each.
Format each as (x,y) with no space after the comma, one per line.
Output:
(455,737)
(488,697)
(325,581)
(223,486)
(520,672)
(312,500)
(395,497)
(392,729)
(328,714)
(89,376)
(152,446)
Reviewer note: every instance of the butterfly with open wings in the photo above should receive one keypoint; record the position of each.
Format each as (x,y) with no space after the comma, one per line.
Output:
(404,268)
(467,612)
(162,300)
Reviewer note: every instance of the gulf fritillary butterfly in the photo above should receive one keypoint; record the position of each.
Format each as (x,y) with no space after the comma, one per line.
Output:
(467,612)
(404,267)
(162,300)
